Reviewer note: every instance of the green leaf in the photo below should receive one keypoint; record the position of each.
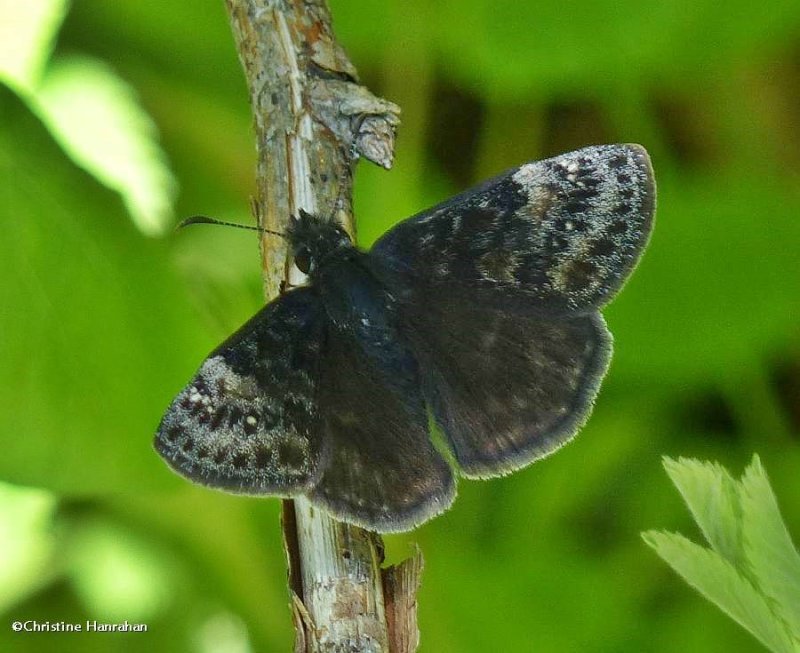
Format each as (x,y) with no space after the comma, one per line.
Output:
(752,571)
(96,329)
(719,581)
(27,542)
(712,497)
(27,33)
(772,556)
(97,118)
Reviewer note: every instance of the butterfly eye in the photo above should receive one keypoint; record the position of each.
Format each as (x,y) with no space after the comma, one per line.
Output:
(303,261)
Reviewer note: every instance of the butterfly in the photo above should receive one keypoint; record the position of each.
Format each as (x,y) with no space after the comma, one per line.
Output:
(467,341)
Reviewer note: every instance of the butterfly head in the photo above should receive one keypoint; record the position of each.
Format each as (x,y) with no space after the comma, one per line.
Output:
(313,239)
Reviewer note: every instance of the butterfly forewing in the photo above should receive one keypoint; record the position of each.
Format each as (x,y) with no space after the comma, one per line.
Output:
(559,235)
(248,421)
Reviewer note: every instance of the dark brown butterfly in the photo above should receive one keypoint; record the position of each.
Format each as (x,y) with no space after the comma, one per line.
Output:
(478,318)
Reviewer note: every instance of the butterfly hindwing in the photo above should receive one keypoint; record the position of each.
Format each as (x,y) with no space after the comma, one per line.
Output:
(383,472)
(248,420)
(559,235)
(507,389)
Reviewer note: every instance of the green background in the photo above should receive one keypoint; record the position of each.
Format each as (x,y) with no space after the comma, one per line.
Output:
(105,312)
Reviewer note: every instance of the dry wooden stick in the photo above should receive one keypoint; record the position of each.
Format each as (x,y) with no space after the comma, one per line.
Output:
(309,110)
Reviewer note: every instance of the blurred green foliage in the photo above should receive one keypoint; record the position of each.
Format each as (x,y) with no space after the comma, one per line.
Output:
(101,322)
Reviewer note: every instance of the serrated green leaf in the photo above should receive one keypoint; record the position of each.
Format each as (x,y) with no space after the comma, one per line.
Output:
(712,497)
(716,579)
(768,545)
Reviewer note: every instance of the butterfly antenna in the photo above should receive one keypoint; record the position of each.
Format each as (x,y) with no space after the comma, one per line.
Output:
(202,219)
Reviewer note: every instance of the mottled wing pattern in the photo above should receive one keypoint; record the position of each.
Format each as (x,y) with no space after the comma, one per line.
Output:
(498,291)
(506,389)
(383,473)
(248,420)
(481,312)
(558,235)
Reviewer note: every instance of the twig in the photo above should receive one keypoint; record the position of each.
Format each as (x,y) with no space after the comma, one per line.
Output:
(309,109)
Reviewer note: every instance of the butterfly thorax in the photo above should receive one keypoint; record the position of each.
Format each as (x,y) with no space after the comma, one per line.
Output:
(353,298)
